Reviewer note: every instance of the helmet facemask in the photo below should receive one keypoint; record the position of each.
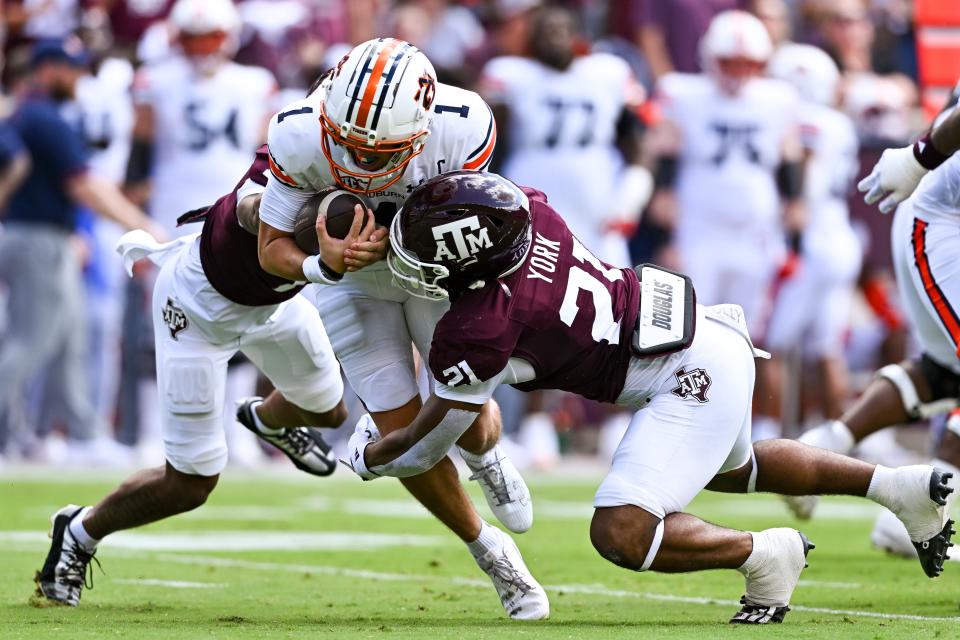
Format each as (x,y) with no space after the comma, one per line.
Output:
(419,279)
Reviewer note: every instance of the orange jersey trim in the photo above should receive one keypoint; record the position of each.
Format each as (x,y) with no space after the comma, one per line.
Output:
(945,312)
(480,160)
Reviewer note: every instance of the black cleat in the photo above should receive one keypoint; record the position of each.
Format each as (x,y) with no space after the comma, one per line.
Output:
(64,573)
(757,614)
(305,447)
(752,613)
(933,552)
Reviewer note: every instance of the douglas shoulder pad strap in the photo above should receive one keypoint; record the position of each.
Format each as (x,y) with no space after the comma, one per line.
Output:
(668,312)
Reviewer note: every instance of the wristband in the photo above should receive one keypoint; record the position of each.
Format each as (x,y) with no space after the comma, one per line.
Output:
(926,154)
(314,270)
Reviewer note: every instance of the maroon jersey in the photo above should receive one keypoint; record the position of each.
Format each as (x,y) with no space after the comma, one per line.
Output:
(564,311)
(229,255)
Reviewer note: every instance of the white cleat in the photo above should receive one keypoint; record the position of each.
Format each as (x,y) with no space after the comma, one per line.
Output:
(504,488)
(771,583)
(921,505)
(891,536)
(521,595)
(832,436)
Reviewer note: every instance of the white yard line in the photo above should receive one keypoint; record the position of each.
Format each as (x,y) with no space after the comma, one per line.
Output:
(173,584)
(598,590)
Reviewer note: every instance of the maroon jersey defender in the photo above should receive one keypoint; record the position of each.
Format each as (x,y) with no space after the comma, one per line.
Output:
(228,252)
(563,311)
(526,308)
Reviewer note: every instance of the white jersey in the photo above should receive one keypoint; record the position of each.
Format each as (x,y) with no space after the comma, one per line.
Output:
(106,117)
(206,130)
(730,150)
(563,132)
(830,138)
(462,136)
(939,192)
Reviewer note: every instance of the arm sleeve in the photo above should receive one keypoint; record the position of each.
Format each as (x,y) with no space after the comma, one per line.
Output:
(280,204)
(430,449)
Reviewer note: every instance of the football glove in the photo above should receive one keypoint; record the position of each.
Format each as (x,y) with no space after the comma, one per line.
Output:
(893,178)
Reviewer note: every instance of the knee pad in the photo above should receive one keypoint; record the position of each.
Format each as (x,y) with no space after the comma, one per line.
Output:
(944,386)
(654,547)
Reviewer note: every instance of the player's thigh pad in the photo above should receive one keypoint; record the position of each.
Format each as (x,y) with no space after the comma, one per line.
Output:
(365,322)
(191,381)
(694,428)
(292,349)
(928,276)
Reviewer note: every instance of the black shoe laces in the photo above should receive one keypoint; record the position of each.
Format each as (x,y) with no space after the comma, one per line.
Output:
(491,477)
(503,571)
(77,571)
(298,440)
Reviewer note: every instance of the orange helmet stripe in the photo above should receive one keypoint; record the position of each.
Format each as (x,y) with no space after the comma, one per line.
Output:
(371,89)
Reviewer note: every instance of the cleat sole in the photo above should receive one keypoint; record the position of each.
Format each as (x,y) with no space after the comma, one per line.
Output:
(933,552)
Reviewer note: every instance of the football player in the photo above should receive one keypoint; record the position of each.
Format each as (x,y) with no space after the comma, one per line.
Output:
(924,180)
(636,338)
(571,126)
(379,125)
(728,159)
(211,300)
(812,307)
(197,113)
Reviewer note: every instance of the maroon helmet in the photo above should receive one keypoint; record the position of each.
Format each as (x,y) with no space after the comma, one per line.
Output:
(456,232)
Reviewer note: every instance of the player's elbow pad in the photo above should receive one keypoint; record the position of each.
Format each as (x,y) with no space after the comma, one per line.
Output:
(140,164)
(431,449)
(790,180)
(666,174)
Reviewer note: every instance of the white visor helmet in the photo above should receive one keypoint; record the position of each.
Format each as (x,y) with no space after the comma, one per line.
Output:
(809,69)
(735,49)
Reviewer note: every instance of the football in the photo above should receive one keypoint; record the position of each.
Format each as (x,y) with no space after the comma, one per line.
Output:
(337,204)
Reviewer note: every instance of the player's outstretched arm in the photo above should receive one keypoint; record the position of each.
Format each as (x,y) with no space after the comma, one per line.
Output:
(415,448)
(899,171)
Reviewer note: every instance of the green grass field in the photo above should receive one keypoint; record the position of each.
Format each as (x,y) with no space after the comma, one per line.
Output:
(291,556)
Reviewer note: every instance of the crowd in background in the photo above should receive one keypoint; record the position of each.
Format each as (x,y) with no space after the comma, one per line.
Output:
(87,397)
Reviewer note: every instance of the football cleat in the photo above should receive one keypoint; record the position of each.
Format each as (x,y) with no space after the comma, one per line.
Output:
(64,573)
(770,585)
(505,490)
(521,595)
(305,447)
(922,508)
(801,507)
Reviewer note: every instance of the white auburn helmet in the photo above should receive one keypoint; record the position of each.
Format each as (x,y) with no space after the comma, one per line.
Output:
(735,48)
(809,69)
(378,104)
(206,29)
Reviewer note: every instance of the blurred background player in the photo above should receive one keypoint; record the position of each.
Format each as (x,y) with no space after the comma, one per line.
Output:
(813,304)
(570,123)
(38,263)
(198,113)
(729,169)
(379,125)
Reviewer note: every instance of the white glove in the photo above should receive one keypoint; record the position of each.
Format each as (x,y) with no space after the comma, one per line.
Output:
(895,176)
(364,433)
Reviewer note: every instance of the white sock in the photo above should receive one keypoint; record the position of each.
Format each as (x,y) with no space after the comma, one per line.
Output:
(882,489)
(80,534)
(261,427)
(761,549)
(833,436)
(488,539)
(480,460)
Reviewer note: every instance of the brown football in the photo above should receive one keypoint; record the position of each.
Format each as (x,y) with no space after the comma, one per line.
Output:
(337,204)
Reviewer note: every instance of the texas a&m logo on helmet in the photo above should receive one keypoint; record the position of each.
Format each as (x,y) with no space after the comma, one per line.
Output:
(458,231)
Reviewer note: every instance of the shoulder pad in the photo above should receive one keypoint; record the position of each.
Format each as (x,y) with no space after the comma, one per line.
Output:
(292,137)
